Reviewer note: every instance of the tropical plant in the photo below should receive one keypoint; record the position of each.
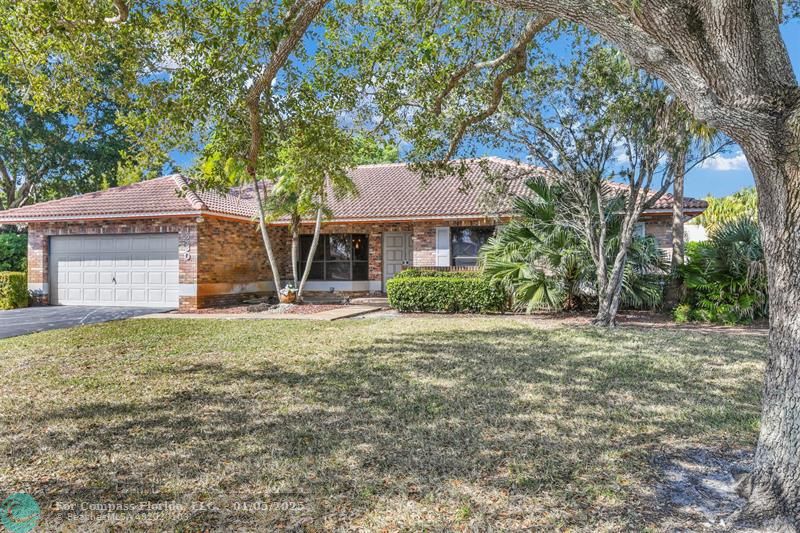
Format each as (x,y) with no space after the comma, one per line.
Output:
(721,211)
(545,262)
(725,277)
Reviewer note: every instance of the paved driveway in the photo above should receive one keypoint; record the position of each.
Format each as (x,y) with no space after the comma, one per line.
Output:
(32,319)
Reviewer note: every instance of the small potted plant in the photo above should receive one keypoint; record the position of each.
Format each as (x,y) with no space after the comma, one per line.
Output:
(288,294)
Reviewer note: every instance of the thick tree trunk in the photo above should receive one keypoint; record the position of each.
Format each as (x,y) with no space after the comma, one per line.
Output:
(773,488)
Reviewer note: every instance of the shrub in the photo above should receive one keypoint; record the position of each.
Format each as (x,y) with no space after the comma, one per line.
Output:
(682,313)
(13,252)
(13,290)
(446,294)
(725,277)
(424,273)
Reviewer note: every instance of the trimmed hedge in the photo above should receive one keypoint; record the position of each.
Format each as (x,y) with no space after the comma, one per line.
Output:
(13,290)
(423,273)
(445,294)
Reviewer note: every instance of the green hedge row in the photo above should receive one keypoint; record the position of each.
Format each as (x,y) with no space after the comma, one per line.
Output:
(446,294)
(423,273)
(13,290)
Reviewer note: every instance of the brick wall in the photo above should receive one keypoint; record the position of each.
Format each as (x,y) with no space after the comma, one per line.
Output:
(232,262)
(661,229)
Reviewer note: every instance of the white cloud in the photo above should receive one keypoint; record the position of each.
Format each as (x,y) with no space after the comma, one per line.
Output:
(721,163)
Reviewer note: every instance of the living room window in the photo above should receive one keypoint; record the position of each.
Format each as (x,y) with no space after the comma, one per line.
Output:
(465,243)
(339,257)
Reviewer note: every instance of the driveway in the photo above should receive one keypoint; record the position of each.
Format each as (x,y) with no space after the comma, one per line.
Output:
(33,319)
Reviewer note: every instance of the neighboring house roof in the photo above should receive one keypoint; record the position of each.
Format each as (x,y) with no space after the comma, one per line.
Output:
(386,192)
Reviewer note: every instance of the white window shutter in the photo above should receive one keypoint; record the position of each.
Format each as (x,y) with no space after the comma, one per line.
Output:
(443,246)
(639,230)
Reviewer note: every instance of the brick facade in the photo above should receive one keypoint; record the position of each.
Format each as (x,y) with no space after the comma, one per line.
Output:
(233,265)
(661,230)
(220,261)
(223,261)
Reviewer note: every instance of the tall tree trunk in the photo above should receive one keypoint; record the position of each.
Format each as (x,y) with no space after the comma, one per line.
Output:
(672,293)
(311,253)
(295,248)
(679,164)
(773,487)
(262,224)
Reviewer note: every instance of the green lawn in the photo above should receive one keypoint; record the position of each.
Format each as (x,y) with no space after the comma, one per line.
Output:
(385,424)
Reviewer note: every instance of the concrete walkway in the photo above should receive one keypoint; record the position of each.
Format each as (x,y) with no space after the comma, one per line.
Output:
(348,311)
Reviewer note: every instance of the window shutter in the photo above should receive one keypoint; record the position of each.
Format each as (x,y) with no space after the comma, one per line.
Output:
(443,246)
(639,230)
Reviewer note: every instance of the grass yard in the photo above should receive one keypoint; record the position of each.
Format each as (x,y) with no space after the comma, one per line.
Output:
(383,424)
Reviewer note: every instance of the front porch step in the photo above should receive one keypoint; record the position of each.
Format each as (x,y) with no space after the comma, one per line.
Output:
(381,301)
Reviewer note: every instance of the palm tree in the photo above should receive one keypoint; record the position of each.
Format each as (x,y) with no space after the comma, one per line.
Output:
(310,166)
(545,262)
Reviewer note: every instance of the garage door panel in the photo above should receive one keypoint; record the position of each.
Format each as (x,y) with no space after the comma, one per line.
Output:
(122,296)
(121,270)
(139,296)
(105,296)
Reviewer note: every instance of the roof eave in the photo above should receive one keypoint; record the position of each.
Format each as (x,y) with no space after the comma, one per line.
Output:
(106,216)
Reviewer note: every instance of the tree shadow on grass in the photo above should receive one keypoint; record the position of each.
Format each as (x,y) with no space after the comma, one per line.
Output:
(510,428)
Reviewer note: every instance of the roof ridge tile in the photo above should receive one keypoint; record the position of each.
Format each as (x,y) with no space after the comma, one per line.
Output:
(188,193)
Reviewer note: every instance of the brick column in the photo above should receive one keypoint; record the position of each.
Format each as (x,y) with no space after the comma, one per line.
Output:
(424,243)
(187,267)
(376,256)
(38,259)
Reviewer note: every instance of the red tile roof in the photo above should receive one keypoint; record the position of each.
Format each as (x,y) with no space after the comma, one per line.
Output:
(386,192)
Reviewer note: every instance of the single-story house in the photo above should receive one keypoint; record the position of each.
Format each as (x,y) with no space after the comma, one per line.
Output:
(161,243)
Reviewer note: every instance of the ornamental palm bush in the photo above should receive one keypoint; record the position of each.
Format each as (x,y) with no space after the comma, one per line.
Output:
(725,277)
(545,263)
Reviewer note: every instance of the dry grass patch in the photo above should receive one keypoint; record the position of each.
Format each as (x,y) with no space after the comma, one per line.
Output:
(431,423)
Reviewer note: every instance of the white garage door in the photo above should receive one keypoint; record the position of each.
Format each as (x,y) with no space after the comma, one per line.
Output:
(124,270)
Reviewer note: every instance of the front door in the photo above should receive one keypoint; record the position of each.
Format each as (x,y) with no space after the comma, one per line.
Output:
(396,254)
